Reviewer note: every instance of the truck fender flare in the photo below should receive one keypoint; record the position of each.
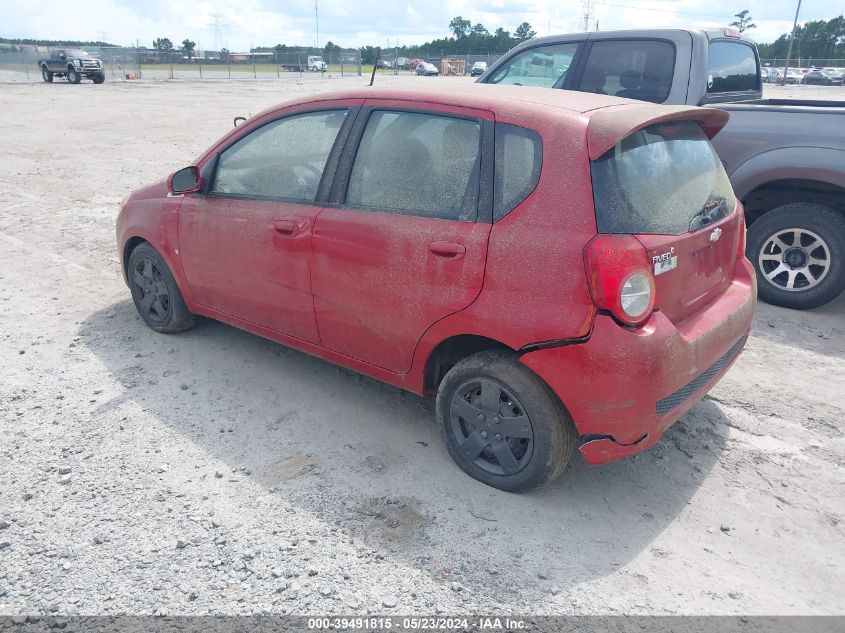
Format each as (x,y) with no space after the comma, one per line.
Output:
(789,163)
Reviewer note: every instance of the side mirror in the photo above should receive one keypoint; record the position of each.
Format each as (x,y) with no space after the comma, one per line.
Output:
(185,180)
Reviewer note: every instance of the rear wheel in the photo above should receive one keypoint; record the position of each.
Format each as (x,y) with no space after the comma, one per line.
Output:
(502,424)
(46,75)
(155,292)
(798,251)
(73,76)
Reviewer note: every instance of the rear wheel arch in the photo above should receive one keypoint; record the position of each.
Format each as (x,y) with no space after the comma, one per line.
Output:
(450,351)
(779,192)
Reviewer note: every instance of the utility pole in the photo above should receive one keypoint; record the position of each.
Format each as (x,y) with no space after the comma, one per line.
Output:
(317,24)
(791,39)
(588,11)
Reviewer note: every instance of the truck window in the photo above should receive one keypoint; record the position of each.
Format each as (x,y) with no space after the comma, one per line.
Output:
(541,67)
(732,67)
(634,69)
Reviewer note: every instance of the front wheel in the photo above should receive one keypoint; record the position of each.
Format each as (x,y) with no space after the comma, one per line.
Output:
(46,75)
(155,292)
(798,252)
(501,424)
(73,76)
(100,78)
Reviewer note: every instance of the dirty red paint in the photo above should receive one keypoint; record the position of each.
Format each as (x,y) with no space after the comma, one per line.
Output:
(376,292)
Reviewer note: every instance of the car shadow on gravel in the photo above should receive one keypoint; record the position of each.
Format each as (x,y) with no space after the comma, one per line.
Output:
(820,330)
(367,458)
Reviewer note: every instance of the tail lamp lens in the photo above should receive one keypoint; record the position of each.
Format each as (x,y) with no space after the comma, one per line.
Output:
(636,295)
(620,277)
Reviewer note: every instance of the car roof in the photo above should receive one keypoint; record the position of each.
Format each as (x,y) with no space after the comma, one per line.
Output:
(482,97)
(606,119)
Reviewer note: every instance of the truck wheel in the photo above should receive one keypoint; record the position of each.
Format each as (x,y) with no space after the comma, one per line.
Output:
(73,76)
(98,79)
(46,75)
(155,292)
(798,252)
(502,424)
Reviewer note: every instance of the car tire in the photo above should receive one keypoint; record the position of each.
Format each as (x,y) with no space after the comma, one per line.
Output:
(99,79)
(46,75)
(814,265)
(155,292)
(503,396)
(73,77)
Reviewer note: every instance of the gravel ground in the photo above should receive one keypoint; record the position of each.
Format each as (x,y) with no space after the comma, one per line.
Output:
(216,472)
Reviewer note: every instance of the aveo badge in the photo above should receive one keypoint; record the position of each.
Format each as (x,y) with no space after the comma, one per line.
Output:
(665,262)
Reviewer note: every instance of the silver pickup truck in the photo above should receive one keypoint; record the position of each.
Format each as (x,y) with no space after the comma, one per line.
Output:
(785,158)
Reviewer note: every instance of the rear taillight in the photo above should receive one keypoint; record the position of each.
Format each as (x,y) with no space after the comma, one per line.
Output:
(740,243)
(620,277)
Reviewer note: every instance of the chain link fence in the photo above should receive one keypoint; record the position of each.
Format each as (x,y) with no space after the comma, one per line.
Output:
(20,63)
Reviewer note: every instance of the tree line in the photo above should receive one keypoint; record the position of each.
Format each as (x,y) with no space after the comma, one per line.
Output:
(820,39)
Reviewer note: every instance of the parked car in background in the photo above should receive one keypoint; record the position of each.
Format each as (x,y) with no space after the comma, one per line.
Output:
(403,63)
(541,323)
(477,69)
(785,157)
(793,76)
(426,69)
(824,77)
(73,63)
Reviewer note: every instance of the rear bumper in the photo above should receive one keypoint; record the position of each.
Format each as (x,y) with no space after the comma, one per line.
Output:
(624,388)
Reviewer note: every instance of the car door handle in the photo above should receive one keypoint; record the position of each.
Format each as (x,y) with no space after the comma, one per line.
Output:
(447,249)
(289,228)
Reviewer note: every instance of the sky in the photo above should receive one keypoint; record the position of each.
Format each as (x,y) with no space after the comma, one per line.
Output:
(352,23)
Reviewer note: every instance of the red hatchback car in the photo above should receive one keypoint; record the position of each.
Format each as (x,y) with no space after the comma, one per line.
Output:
(562,269)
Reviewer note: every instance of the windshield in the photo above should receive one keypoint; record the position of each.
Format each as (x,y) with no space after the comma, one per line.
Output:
(664,179)
(76,53)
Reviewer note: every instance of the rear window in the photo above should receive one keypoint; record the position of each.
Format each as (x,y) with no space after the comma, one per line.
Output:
(664,179)
(732,67)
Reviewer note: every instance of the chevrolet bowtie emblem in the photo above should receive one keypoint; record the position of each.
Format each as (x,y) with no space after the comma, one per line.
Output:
(715,235)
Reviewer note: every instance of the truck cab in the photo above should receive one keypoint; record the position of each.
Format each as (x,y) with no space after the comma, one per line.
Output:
(316,63)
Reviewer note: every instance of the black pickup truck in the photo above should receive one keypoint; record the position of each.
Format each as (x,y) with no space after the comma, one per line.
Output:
(785,158)
(72,63)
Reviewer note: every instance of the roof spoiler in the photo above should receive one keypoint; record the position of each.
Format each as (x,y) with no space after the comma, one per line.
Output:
(608,126)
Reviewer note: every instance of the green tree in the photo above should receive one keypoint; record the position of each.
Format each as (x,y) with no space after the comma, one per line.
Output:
(224,54)
(524,32)
(459,27)
(162,44)
(743,21)
(479,30)
(188,46)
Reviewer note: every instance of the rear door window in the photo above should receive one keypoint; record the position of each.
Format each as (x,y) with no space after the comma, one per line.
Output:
(541,67)
(664,179)
(732,67)
(417,164)
(634,69)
